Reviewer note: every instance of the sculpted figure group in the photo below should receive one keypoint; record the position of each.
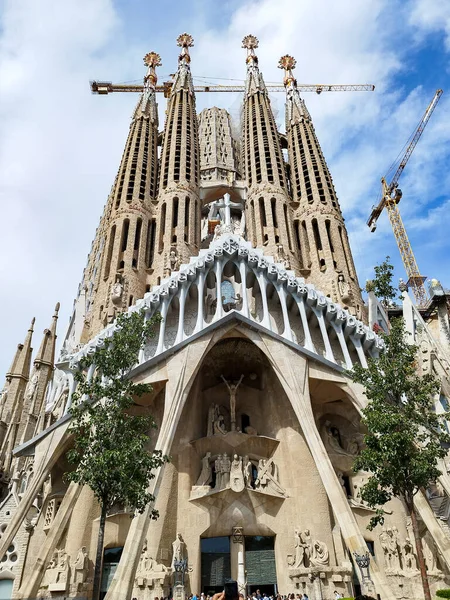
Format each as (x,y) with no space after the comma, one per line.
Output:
(308,552)
(398,555)
(240,472)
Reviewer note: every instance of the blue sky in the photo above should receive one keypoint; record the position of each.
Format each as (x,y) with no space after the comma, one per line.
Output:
(60,146)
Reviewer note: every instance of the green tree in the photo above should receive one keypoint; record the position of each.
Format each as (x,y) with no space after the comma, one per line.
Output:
(381,285)
(405,437)
(112,447)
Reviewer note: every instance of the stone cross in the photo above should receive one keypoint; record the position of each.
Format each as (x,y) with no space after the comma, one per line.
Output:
(227,205)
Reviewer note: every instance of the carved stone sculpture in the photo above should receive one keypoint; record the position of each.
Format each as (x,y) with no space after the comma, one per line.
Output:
(247,471)
(31,388)
(237,483)
(218,469)
(409,558)
(56,576)
(178,549)
(343,288)
(205,476)
(225,467)
(429,553)
(232,388)
(319,556)
(267,479)
(80,566)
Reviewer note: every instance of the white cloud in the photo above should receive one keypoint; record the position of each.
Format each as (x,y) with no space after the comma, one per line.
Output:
(60,147)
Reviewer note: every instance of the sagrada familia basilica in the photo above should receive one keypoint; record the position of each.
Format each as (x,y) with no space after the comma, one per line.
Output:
(240,244)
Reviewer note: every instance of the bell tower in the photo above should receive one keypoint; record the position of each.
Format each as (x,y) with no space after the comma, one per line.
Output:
(320,232)
(268,210)
(178,213)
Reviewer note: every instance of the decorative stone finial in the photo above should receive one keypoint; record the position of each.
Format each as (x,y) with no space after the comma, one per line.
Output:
(33,320)
(288,63)
(57,307)
(151,60)
(185,41)
(250,42)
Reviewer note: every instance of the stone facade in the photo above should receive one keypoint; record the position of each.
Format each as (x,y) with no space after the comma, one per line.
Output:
(247,260)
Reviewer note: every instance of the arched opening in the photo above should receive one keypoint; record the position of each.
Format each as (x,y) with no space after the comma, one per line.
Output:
(210,297)
(274,307)
(191,310)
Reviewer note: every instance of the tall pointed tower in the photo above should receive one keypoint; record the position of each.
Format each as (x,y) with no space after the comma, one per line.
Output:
(268,210)
(119,264)
(321,236)
(178,217)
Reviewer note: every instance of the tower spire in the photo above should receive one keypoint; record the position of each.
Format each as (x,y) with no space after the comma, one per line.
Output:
(118,270)
(320,232)
(268,209)
(178,221)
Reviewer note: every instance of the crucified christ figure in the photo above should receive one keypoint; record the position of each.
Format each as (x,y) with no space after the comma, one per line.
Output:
(232,388)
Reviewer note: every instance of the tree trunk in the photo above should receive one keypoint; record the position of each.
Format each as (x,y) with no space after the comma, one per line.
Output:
(99,555)
(419,548)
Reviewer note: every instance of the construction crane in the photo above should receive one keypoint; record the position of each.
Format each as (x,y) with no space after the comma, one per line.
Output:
(106,87)
(391,195)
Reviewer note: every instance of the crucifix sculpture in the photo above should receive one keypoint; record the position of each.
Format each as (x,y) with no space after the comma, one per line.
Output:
(232,388)
(223,207)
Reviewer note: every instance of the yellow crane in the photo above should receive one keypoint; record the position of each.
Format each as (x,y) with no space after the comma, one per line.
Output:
(391,195)
(106,87)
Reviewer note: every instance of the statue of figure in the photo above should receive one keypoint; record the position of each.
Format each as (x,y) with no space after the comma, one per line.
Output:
(218,469)
(232,388)
(211,419)
(409,558)
(394,547)
(267,478)
(236,474)
(173,259)
(211,305)
(205,476)
(80,566)
(319,556)
(306,537)
(117,293)
(384,542)
(248,475)
(32,385)
(428,553)
(343,288)
(299,559)
(353,446)
(219,424)
(225,468)
(178,549)
(334,439)
(53,561)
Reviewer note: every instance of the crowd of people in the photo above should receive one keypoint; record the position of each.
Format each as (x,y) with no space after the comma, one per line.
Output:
(261,596)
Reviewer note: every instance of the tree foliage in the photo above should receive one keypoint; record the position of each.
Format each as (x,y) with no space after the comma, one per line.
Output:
(112,451)
(405,436)
(381,285)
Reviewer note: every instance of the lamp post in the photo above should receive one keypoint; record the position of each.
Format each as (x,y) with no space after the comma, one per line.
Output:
(362,559)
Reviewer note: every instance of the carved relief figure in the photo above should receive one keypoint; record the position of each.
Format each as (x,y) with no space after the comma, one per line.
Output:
(409,558)
(236,474)
(267,479)
(173,259)
(32,386)
(225,469)
(343,288)
(80,566)
(428,553)
(299,560)
(320,555)
(384,541)
(218,469)
(205,476)
(247,469)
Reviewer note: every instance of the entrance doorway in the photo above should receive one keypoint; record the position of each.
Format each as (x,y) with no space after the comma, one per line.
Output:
(216,566)
(260,564)
(111,558)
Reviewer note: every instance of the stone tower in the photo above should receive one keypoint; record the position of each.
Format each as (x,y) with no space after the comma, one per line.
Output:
(23,397)
(320,232)
(119,264)
(268,211)
(178,215)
